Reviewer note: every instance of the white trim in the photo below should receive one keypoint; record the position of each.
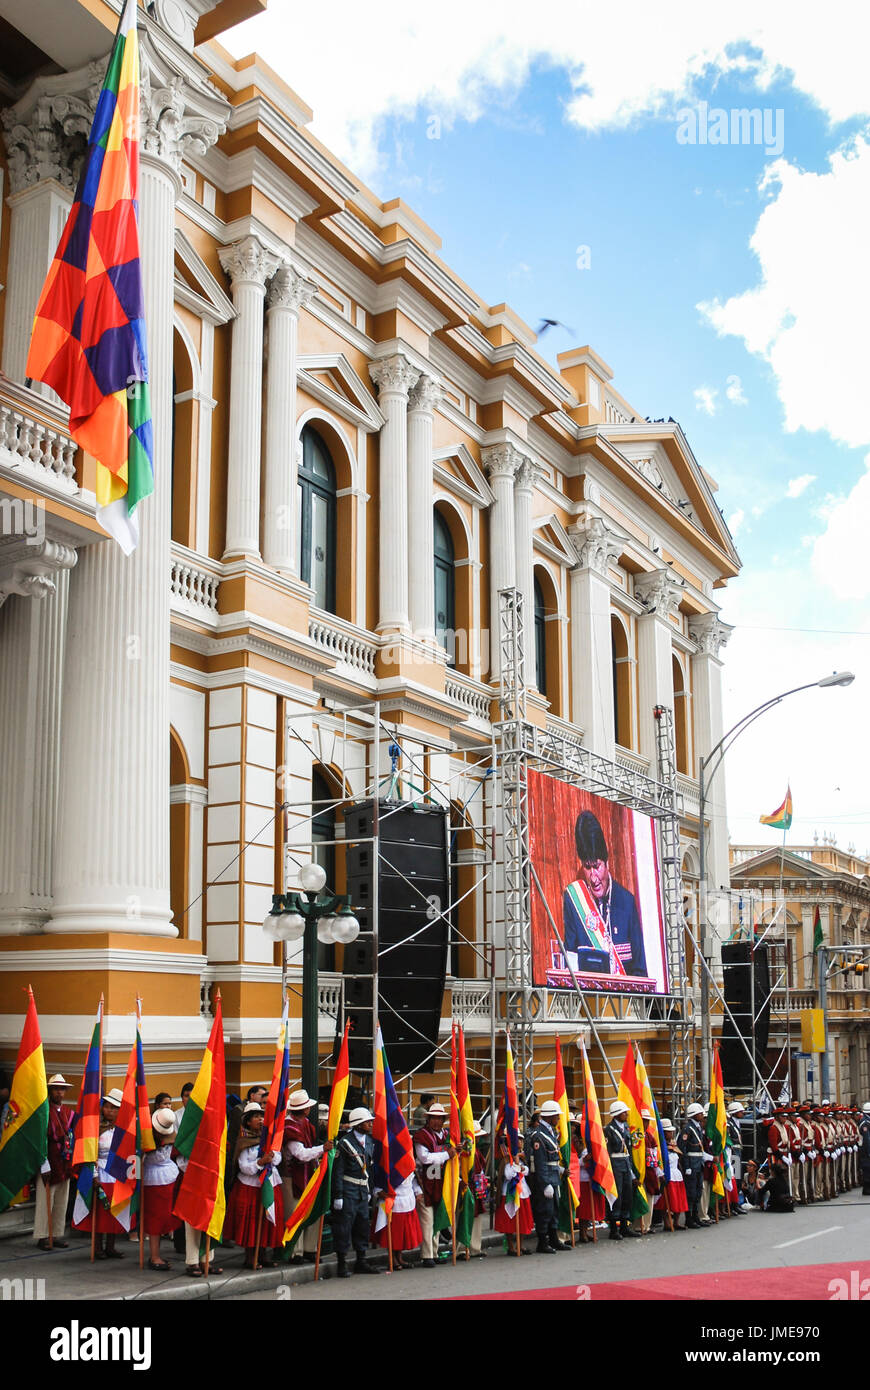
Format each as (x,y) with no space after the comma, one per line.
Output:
(363,410)
(102,958)
(119,1030)
(187,794)
(210,301)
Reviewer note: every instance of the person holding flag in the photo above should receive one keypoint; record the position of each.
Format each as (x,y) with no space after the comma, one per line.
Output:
(108,1227)
(351,1193)
(159,1174)
(244,1223)
(432,1151)
(398,1194)
(673,1196)
(56,1170)
(24,1138)
(301,1154)
(513,1215)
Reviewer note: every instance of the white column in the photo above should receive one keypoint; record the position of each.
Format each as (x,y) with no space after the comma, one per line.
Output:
(37,218)
(591,650)
(421,577)
(32,638)
(524,486)
(394,377)
(660,594)
(288,293)
(501,462)
(112,868)
(711,634)
(249,265)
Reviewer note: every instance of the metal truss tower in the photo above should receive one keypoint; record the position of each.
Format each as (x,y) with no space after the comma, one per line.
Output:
(681,1030)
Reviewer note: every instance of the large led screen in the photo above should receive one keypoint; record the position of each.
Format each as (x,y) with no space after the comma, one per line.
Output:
(598,870)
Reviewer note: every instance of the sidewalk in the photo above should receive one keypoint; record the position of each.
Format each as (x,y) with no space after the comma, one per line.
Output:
(69,1274)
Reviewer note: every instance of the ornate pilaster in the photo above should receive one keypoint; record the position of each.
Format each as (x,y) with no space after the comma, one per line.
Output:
(525,478)
(249,265)
(112,865)
(501,462)
(288,293)
(31,568)
(710,635)
(595,546)
(394,376)
(660,592)
(421,580)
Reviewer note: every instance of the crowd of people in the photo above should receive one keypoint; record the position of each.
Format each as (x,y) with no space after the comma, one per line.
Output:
(813,1153)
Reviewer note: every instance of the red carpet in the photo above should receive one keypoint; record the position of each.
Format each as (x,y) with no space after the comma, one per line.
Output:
(781,1284)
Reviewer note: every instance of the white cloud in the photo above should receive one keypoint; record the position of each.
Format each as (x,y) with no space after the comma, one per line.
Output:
(735,522)
(839,558)
(456,60)
(807,316)
(734,391)
(798,486)
(705,399)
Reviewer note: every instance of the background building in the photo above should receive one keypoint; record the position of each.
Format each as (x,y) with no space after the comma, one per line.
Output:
(354,456)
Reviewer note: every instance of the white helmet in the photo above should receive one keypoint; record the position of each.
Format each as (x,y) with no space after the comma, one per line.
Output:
(551,1107)
(359,1116)
(694,1109)
(618,1107)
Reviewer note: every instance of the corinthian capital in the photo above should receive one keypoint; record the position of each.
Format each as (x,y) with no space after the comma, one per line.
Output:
(595,545)
(502,460)
(29,569)
(247,262)
(709,633)
(527,475)
(289,289)
(46,132)
(170,125)
(659,591)
(394,375)
(426,394)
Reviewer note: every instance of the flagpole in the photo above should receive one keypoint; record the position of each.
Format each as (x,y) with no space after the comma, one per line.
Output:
(319,1243)
(140,1157)
(207,1256)
(259,1233)
(390,1238)
(48,1209)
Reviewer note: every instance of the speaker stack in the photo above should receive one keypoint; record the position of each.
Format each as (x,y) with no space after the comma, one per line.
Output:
(737,967)
(410,887)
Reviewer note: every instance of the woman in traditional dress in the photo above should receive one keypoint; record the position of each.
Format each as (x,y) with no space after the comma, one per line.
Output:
(673,1197)
(245,1213)
(590,1203)
(159,1174)
(515,1197)
(101,1193)
(405,1232)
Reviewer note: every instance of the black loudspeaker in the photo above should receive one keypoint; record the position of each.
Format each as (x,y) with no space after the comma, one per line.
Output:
(737,969)
(412,895)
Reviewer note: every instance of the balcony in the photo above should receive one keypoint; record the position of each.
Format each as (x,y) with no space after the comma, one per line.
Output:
(193,585)
(471,696)
(35,445)
(352,648)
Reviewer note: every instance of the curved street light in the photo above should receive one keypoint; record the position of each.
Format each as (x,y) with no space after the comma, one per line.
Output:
(837,678)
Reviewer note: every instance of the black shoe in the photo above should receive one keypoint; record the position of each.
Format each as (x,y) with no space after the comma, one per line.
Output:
(544,1248)
(615,1235)
(362,1266)
(633,1235)
(342,1272)
(308,1258)
(427,1264)
(296,1260)
(558,1246)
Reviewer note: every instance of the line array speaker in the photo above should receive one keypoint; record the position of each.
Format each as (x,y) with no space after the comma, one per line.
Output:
(737,971)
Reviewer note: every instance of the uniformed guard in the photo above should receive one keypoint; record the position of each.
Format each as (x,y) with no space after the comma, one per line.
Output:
(692,1149)
(864,1131)
(809,1150)
(351,1182)
(618,1138)
(544,1159)
(734,1144)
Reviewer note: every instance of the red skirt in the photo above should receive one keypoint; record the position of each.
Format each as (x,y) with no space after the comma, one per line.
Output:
(404,1229)
(157,1218)
(243,1212)
(590,1204)
(507,1225)
(106,1223)
(676,1198)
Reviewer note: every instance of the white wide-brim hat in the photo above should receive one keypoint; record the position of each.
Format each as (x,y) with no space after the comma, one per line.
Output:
(113,1097)
(58,1080)
(300,1100)
(164,1122)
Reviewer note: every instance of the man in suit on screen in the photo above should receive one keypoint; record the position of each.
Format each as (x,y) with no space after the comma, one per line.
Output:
(609,938)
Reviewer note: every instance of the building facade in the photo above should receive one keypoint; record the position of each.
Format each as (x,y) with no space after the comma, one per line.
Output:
(354,455)
(786,889)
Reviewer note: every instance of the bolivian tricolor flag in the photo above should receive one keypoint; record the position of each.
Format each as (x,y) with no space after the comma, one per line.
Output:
(24,1141)
(315,1199)
(717,1122)
(202,1140)
(465,1218)
(780,819)
(567,1195)
(630,1092)
(445,1212)
(601,1171)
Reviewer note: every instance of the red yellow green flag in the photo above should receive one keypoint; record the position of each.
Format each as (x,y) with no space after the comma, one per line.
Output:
(567,1195)
(317,1194)
(202,1140)
(465,1220)
(781,818)
(24,1141)
(630,1093)
(445,1212)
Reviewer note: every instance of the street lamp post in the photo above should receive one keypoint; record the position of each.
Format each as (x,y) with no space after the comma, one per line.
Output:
(313,915)
(705,778)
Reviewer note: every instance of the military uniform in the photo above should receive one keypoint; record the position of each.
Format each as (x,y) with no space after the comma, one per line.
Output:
(694,1156)
(351,1182)
(864,1131)
(734,1145)
(544,1160)
(618,1138)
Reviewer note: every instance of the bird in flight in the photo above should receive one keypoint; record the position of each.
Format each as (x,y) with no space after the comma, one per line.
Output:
(546,324)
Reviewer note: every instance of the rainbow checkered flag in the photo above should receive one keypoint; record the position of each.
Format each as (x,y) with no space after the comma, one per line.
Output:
(88,340)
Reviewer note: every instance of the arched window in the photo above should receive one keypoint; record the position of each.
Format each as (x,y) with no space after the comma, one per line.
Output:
(323,849)
(621,683)
(317,520)
(681,718)
(445,588)
(540,639)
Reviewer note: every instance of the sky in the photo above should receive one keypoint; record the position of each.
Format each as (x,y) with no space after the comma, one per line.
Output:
(575,160)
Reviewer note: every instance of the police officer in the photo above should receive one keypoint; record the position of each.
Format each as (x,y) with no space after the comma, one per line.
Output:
(692,1149)
(618,1137)
(544,1158)
(734,1143)
(351,1181)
